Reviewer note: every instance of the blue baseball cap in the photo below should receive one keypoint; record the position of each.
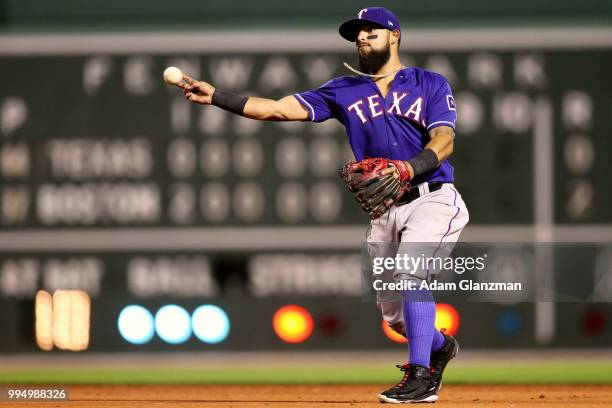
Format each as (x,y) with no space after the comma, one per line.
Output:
(377,16)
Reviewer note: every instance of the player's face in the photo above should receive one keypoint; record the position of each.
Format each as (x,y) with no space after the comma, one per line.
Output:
(373,48)
(372,38)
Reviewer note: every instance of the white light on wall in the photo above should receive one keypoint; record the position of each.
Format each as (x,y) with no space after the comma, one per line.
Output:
(173,324)
(136,324)
(210,324)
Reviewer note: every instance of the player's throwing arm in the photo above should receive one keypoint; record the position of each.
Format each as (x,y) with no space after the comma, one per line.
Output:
(203,93)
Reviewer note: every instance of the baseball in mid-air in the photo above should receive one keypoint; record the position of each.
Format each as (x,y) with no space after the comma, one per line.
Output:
(173,75)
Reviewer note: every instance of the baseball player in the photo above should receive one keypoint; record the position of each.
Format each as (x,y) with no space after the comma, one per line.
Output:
(403,118)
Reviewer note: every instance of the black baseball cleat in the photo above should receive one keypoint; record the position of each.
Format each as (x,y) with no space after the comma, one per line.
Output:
(440,359)
(416,386)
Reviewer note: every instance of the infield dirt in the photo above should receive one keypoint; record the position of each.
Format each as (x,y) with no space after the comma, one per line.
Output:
(324,395)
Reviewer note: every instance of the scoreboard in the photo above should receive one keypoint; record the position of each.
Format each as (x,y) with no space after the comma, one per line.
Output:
(99,141)
(113,183)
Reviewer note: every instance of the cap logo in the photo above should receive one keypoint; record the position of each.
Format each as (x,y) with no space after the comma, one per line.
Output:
(360,14)
(389,22)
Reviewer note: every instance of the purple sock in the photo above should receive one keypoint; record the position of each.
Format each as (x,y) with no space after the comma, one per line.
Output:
(438,340)
(419,319)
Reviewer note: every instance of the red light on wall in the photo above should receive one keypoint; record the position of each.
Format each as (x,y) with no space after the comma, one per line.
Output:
(593,322)
(447,318)
(292,324)
(396,337)
(329,324)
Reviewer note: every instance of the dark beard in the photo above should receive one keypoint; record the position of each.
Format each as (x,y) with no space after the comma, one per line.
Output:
(371,62)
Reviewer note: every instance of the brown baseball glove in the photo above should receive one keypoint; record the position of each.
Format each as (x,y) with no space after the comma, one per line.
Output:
(375,191)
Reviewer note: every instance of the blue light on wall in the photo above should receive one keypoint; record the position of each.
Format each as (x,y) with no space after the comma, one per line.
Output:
(509,322)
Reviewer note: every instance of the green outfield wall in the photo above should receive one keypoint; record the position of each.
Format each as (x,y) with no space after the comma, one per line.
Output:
(63,14)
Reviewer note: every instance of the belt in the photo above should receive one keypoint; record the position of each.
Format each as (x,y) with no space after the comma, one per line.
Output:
(418,191)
